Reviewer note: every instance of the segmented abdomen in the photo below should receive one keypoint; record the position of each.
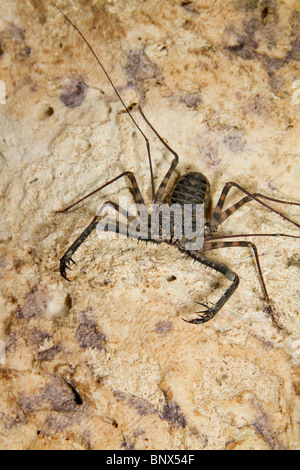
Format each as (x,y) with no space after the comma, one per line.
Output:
(192,188)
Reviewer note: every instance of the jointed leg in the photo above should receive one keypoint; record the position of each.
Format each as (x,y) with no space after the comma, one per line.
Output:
(136,190)
(219,215)
(161,190)
(211,245)
(210,312)
(66,260)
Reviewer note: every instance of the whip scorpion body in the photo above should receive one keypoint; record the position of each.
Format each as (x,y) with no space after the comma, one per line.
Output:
(192,188)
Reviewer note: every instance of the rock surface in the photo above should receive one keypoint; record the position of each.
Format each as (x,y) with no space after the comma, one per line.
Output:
(106,362)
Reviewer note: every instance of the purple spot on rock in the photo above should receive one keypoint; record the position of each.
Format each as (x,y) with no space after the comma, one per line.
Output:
(172,413)
(35,303)
(139,67)
(59,396)
(141,405)
(87,334)
(74,93)
(127,444)
(234,142)
(37,336)
(209,153)
(163,327)
(191,100)
(48,354)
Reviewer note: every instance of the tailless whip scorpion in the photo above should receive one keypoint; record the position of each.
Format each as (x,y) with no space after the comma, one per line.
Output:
(192,188)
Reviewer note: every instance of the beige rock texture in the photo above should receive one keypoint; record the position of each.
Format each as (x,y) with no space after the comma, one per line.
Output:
(106,361)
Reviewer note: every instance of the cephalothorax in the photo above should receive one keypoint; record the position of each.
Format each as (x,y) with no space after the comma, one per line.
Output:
(192,188)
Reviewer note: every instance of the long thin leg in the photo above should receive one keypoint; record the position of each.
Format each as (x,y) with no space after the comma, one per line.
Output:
(219,215)
(66,260)
(238,235)
(136,190)
(161,190)
(211,245)
(116,91)
(210,312)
